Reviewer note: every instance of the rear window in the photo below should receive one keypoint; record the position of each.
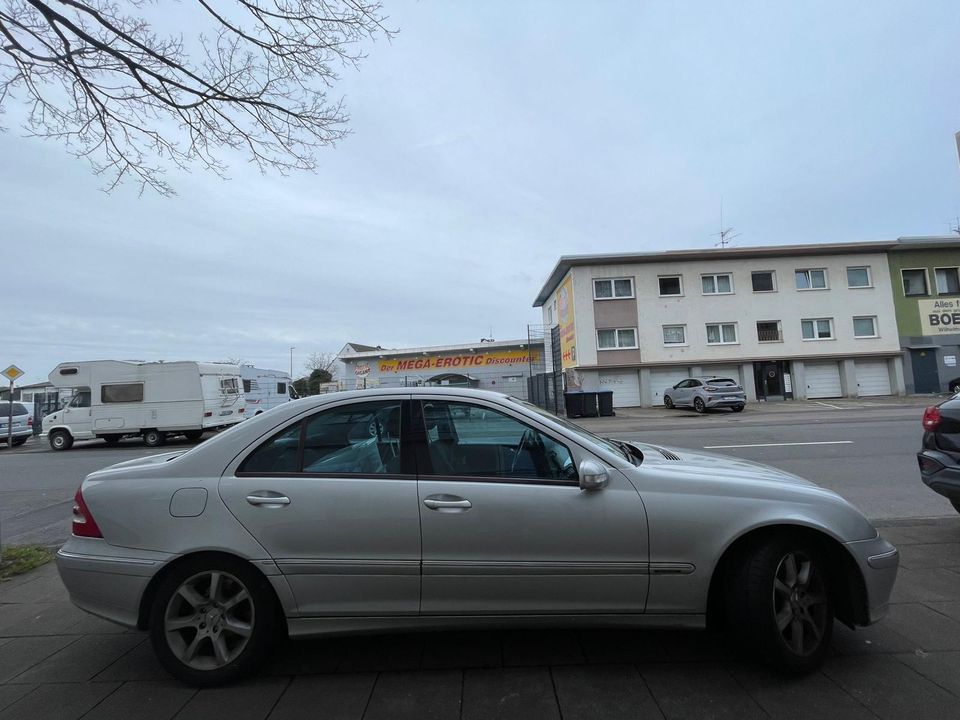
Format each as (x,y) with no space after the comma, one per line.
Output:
(18,409)
(721,381)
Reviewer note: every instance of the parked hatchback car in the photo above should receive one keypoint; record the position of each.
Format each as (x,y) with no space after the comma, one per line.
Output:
(21,419)
(443,508)
(939,458)
(705,393)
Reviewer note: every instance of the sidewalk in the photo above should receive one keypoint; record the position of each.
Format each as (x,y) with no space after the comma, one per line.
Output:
(58,663)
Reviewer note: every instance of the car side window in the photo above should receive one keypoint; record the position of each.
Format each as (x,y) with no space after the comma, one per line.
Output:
(363,438)
(279,454)
(358,439)
(466,440)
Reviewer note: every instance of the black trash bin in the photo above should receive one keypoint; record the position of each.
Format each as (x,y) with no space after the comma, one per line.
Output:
(573,404)
(605,403)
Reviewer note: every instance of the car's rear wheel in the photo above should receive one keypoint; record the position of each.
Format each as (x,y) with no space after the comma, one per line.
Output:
(738,408)
(778,603)
(699,405)
(153,438)
(60,440)
(111,439)
(193,434)
(17,442)
(955,387)
(668,402)
(213,620)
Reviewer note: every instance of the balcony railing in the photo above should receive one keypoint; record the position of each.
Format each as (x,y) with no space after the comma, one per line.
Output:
(769,335)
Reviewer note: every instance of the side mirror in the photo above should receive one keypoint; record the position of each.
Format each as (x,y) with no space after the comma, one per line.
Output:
(593,475)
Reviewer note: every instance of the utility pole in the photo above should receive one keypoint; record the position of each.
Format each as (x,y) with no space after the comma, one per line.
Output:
(291,363)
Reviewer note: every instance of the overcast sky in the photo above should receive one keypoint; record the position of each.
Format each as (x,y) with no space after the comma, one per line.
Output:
(489,138)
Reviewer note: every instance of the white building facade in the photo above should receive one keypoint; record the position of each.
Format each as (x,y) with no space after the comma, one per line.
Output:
(806,322)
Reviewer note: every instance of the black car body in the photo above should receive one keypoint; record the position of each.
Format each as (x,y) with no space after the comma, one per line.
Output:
(940,457)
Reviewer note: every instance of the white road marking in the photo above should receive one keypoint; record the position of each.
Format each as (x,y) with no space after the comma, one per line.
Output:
(823,442)
(835,407)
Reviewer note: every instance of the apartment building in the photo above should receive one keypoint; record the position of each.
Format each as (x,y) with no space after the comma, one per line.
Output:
(800,321)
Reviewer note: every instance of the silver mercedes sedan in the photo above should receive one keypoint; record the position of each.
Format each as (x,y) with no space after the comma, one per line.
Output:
(432,508)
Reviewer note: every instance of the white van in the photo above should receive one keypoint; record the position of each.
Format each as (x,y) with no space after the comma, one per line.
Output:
(114,399)
(265,389)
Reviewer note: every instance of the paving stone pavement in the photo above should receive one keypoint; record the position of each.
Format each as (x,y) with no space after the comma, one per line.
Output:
(57,662)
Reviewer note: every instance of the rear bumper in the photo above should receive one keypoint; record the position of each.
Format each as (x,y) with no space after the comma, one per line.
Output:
(878,561)
(725,401)
(105,580)
(945,481)
(17,433)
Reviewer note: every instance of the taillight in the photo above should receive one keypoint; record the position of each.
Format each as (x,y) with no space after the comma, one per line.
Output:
(240,410)
(711,389)
(931,418)
(928,466)
(83,523)
(208,413)
(30,421)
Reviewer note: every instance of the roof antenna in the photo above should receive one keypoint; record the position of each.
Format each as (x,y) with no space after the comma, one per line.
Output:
(725,234)
(955,227)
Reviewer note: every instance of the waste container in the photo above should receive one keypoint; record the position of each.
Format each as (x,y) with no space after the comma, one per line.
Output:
(580,404)
(605,403)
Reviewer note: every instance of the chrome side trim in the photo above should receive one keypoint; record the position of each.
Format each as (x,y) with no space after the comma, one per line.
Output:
(309,566)
(461,567)
(671,568)
(105,558)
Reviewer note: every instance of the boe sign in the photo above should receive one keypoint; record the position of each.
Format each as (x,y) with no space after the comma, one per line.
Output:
(940,317)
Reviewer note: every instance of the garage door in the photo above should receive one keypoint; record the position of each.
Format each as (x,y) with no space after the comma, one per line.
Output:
(823,380)
(872,378)
(625,385)
(660,380)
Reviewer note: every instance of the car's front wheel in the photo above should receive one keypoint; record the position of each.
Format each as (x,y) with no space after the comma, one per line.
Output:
(61,440)
(213,620)
(778,603)
(668,402)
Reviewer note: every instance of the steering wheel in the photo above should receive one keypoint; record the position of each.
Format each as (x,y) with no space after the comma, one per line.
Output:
(531,439)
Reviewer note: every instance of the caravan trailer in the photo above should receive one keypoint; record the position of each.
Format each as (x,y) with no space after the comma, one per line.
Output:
(265,389)
(115,399)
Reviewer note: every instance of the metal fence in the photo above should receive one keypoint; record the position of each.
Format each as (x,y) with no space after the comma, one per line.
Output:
(545,381)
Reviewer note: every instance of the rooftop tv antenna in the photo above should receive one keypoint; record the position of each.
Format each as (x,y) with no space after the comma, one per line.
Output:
(725,234)
(955,226)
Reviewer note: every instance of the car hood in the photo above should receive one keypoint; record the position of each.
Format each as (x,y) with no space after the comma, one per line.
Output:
(720,468)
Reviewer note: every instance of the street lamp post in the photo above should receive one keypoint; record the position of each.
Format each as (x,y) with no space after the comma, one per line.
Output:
(291,363)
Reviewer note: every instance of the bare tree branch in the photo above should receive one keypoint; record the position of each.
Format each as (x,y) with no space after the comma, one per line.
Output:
(255,79)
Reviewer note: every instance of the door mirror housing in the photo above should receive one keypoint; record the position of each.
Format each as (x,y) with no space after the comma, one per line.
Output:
(593,475)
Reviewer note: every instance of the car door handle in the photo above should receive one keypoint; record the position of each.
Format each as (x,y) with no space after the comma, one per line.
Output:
(274,500)
(447,503)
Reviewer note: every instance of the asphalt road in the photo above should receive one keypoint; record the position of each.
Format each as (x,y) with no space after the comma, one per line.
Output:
(866,455)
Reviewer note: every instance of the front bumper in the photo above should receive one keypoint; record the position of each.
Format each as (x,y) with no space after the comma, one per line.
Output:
(878,561)
(105,580)
(945,481)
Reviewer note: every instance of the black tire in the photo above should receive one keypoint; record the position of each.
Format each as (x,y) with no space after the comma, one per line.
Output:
(699,405)
(955,387)
(112,439)
(668,402)
(193,435)
(789,626)
(956,505)
(60,440)
(153,438)
(17,442)
(259,611)
(737,408)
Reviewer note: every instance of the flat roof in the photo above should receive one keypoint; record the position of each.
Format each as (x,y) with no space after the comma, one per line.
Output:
(436,349)
(566,262)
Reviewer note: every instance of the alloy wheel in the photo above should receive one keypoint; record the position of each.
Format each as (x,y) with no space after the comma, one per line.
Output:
(209,620)
(800,603)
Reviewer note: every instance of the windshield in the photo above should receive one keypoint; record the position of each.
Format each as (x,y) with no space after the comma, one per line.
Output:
(586,434)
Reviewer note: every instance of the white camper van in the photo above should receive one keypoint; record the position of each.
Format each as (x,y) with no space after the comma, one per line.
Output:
(265,389)
(113,399)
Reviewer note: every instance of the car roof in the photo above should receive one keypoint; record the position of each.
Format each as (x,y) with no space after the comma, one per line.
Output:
(713,377)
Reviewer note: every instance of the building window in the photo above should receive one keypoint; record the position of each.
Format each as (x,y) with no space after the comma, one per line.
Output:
(670,285)
(865,327)
(246,386)
(722,334)
(617,339)
(764,281)
(858,277)
(549,315)
(281,388)
(812,279)
(126,393)
(615,288)
(914,282)
(948,281)
(717,284)
(674,334)
(817,329)
(769,331)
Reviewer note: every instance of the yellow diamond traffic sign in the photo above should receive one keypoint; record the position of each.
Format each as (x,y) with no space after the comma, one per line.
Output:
(12,373)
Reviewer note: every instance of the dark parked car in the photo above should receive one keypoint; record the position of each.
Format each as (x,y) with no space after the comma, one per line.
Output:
(940,457)
(22,420)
